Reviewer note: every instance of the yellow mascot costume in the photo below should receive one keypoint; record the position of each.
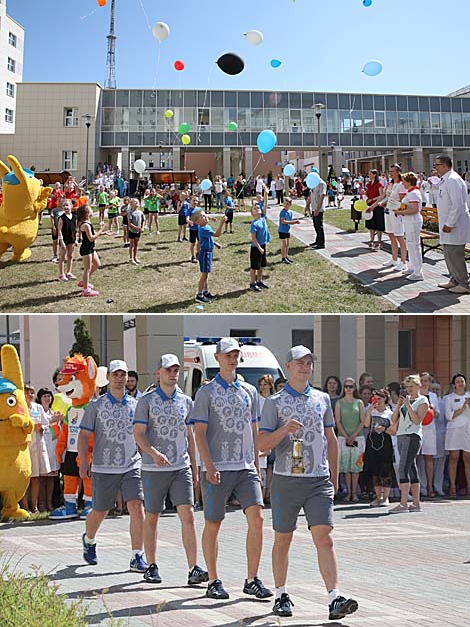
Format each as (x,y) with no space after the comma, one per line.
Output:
(23,198)
(16,427)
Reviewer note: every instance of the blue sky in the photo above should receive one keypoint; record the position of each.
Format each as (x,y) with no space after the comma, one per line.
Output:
(323,44)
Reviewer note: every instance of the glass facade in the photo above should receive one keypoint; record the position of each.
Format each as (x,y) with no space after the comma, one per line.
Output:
(135,118)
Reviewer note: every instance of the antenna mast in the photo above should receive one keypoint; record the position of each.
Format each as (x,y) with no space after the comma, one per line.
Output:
(110,82)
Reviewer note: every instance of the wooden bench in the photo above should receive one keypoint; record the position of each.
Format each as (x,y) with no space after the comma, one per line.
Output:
(430,239)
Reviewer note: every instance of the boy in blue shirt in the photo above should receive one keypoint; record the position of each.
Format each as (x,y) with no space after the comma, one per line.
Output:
(206,246)
(286,218)
(259,238)
(229,208)
(183,213)
(193,228)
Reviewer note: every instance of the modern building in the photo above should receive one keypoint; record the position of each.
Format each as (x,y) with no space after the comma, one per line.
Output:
(389,346)
(11,68)
(358,131)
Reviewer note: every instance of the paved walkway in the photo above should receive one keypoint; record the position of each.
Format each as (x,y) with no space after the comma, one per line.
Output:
(406,571)
(350,252)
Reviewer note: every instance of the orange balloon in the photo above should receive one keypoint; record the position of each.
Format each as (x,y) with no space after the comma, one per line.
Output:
(102,3)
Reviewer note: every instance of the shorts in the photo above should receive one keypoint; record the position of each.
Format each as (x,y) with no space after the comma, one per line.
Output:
(146,211)
(125,221)
(291,494)
(133,235)
(112,215)
(193,236)
(394,224)
(55,237)
(205,260)
(283,235)
(244,484)
(177,484)
(106,486)
(229,216)
(257,259)
(69,241)
(181,220)
(70,466)
(102,206)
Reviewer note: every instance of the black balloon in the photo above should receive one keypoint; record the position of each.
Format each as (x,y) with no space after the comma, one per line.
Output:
(231,63)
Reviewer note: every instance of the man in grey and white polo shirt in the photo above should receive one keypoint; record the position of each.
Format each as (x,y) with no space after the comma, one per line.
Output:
(115,464)
(225,415)
(317,200)
(298,423)
(161,429)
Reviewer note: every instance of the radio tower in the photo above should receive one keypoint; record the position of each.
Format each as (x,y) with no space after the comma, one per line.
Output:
(110,82)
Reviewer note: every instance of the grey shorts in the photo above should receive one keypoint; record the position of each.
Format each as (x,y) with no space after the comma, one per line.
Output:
(290,494)
(177,484)
(106,486)
(245,484)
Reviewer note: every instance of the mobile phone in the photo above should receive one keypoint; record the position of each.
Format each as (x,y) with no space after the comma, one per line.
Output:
(403,393)
(374,400)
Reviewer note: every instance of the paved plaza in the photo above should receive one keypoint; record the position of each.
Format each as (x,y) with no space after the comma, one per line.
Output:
(406,570)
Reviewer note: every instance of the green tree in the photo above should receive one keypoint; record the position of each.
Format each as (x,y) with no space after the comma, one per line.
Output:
(83,343)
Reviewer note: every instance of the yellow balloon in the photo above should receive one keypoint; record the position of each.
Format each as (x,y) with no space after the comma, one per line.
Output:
(168,114)
(186,139)
(360,205)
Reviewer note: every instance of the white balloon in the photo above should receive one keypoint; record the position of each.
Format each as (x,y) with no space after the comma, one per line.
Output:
(161,31)
(254,37)
(102,378)
(140,166)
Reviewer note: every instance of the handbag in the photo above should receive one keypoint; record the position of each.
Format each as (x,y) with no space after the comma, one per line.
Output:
(368,215)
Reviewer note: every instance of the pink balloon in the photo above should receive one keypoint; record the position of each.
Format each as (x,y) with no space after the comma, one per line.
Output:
(178,65)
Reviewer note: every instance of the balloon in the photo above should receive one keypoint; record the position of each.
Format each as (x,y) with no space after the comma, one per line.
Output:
(183,128)
(206,184)
(334,183)
(276,63)
(161,31)
(231,63)
(289,170)
(232,126)
(140,166)
(169,114)
(372,68)
(360,205)
(102,378)
(254,37)
(186,139)
(102,3)
(266,141)
(178,65)
(367,3)
(312,180)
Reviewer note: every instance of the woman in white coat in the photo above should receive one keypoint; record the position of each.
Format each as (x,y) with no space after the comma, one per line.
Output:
(458,430)
(425,459)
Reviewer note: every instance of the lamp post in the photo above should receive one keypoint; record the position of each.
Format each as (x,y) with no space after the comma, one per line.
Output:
(317,107)
(87,117)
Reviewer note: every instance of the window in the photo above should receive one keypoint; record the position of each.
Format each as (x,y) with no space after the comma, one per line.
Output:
(11,65)
(12,40)
(69,160)
(406,349)
(203,117)
(303,337)
(71,116)
(9,115)
(10,90)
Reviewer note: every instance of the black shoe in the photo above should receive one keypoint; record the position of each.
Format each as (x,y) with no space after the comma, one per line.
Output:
(202,299)
(126,245)
(282,605)
(216,590)
(185,239)
(257,588)
(341,607)
(210,296)
(254,287)
(179,240)
(284,260)
(152,575)
(89,552)
(262,285)
(193,260)
(289,260)
(318,246)
(313,245)
(197,575)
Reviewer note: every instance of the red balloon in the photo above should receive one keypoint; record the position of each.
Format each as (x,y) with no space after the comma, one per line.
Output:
(178,65)
(102,3)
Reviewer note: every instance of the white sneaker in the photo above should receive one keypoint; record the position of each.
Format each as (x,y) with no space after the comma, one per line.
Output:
(415,277)
(401,267)
(388,263)
(408,271)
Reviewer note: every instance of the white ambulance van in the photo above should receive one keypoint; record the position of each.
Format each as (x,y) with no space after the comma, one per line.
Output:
(200,363)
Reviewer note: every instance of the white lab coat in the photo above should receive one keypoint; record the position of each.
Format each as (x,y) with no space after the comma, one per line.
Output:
(452,209)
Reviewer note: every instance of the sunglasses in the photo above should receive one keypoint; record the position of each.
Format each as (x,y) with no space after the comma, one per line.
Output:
(349,386)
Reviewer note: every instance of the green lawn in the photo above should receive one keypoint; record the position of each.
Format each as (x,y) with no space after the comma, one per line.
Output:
(167,280)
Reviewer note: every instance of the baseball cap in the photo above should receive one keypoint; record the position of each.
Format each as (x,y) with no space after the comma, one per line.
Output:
(226,345)
(117,364)
(168,360)
(297,352)
(71,367)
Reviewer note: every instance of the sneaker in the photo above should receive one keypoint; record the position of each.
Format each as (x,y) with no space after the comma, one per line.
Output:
(179,239)
(201,298)
(289,260)
(86,510)
(210,296)
(185,239)
(152,575)
(216,590)
(80,284)
(414,508)
(460,289)
(68,510)
(401,267)
(137,261)
(384,503)
(257,588)
(262,285)
(341,607)
(62,277)
(126,245)
(193,260)
(389,263)
(131,260)
(70,276)
(408,271)
(55,259)
(447,285)
(158,232)
(417,277)
(90,292)
(89,552)
(138,564)
(282,605)
(197,575)
(284,260)
(254,287)
(399,509)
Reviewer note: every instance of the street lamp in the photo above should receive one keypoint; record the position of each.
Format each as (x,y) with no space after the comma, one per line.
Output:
(317,107)
(87,118)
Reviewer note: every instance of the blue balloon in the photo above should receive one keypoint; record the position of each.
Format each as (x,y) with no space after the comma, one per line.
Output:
(312,180)
(206,184)
(276,63)
(367,3)
(315,170)
(266,141)
(372,68)
(289,170)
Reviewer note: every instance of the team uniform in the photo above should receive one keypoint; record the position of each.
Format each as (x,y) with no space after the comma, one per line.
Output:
(193,228)
(284,229)
(103,199)
(206,242)
(113,207)
(69,228)
(257,258)
(153,204)
(183,213)
(135,219)
(229,208)
(87,247)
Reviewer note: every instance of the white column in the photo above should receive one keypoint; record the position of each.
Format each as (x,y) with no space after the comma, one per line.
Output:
(337,160)
(176,158)
(125,162)
(248,160)
(418,160)
(226,164)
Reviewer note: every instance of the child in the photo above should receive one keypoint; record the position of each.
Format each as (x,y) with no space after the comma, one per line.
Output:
(124,211)
(113,210)
(260,237)
(91,261)
(286,218)
(207,243)
(153,202)
(193,228)
(136,227)
(56,212)
(102,202)
(331,196)
(229,208)
(183,212)
(146,207)
(67,237)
